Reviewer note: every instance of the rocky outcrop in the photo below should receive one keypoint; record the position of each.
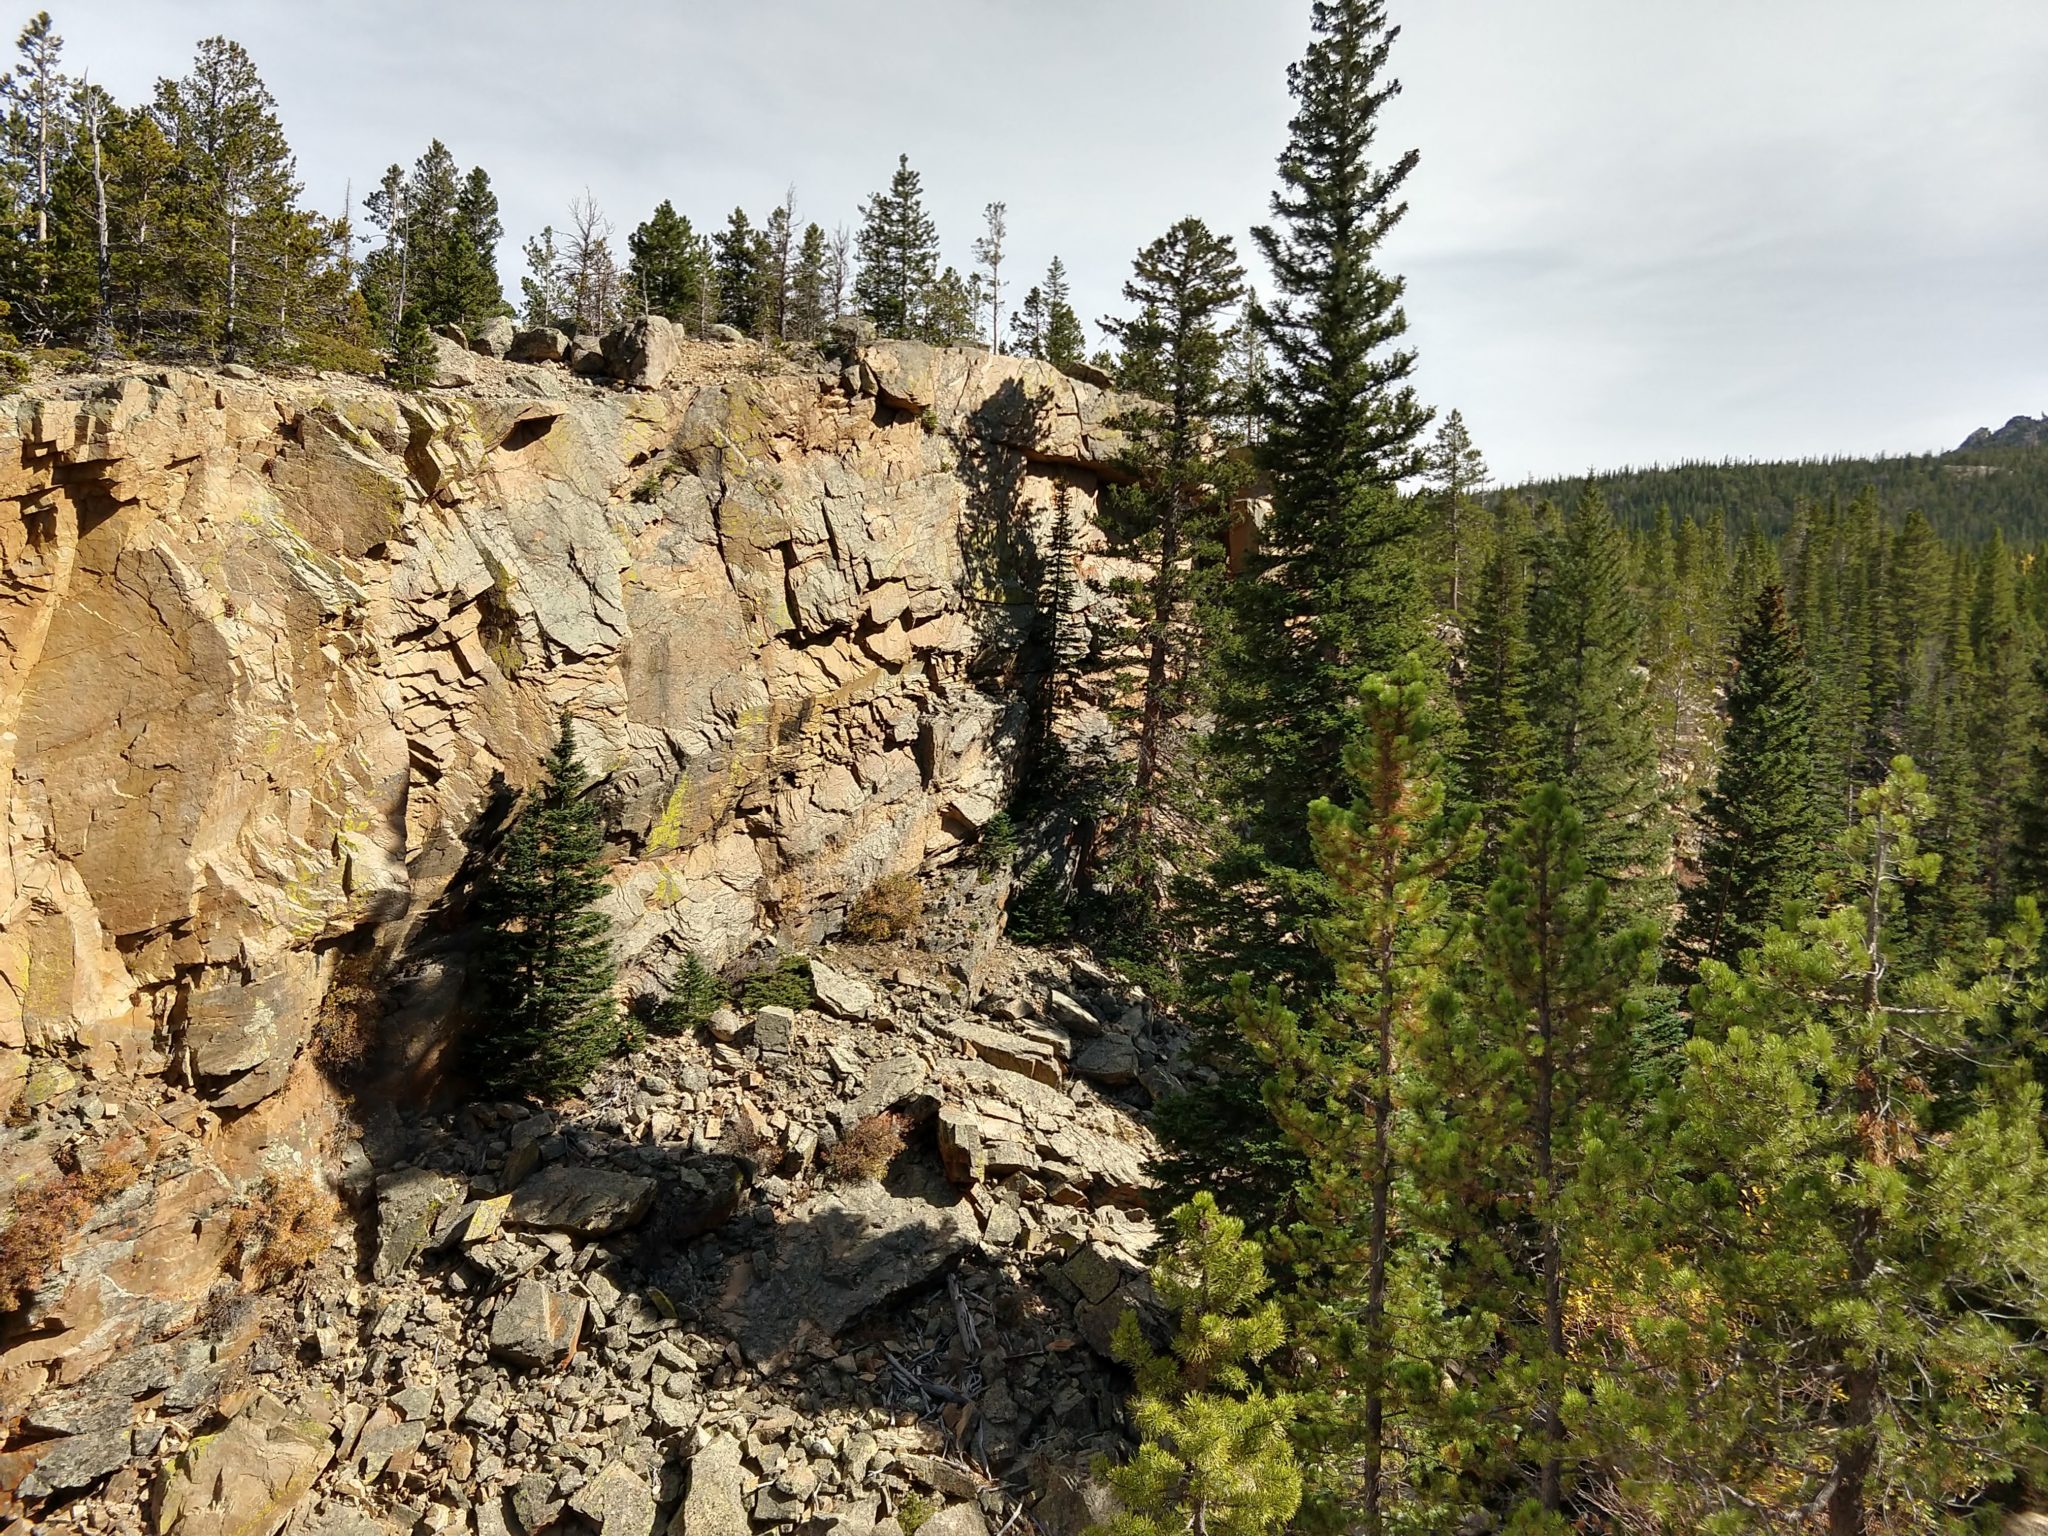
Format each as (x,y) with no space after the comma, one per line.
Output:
(277,655)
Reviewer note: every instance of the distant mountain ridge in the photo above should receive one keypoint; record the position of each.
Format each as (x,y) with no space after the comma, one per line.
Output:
(2020,432)
(1995,481)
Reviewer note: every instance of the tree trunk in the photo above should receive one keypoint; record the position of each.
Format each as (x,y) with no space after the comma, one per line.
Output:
(227,350)
(1376,1341)
(1549,1411)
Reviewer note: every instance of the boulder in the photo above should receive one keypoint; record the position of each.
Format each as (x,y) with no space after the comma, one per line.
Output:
(408,1204)
(536,1326)
(1071,1013)
(617,1502)
(77,1461)
(1011,1052)
(587,1202)
(962,1148)
(956,1520)
(847,1253)
(541,345)
(724,333)
(1073,1505)
(848,335)
(586,356)
(716,1504)
(494,337)
(841,995)
(245,1479)
(454,364)
(774,1028)
(1111,1061)
(728,1028)
(643,353)
(1088,373)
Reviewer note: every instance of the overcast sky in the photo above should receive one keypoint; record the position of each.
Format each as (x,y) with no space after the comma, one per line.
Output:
(1642,230)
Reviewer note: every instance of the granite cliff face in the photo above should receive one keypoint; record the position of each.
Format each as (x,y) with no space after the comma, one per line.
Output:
(277,654)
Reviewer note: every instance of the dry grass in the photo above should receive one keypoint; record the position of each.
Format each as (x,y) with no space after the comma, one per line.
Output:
(866,1151)
(46,1217)
(284,1229)
(889,909)
(346,1028)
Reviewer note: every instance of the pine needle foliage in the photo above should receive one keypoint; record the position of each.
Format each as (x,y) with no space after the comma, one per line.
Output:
(1214,1456)
(546,1014)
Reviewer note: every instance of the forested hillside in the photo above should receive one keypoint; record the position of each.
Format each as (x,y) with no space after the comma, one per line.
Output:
(1966,493)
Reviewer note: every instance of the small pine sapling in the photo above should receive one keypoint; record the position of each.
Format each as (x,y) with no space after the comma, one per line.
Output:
(1215,1456)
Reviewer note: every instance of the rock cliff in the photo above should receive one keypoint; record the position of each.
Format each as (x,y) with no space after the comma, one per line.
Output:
(277,655)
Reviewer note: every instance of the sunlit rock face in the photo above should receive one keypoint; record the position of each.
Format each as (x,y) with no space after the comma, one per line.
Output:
(276,657)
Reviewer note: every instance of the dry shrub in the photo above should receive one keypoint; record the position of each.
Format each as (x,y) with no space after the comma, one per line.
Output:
(866,1151)
(890,908)
(346,1027)
(46,1217)
(284,1229)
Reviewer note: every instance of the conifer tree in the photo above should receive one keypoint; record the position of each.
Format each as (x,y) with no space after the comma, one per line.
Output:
(235,188)
(544,287)
(1338,592)
(2000,711)
(1027,325)
(1497,747)
(1521,1094)
(414,363)
(1454,468)
(778,268)
(1066,343)
(475,291)
(671,266)
(950,312)
(1872,1196)
(1213,1457)
(899,255)
(1761,827)
(809,301)
(990,249)
(546,1015)
(1182,285)
(1334,1090)
(742,269)
(1594,734)
(35,138)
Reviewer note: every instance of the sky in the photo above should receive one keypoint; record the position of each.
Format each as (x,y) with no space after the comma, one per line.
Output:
(1642,231)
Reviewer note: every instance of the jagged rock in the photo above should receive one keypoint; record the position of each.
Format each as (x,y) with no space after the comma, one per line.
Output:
(1012,1052)
(589,1202)
(843,1254)
(774,1028)
(644,352)
(892,1084)
(617,1502)
(961,1145)
(715,1504)
(77,1461)
(244,1479)
(408,1204)
(541,345)
(454,364)
(494,337)
(955,1520)
(536,1326)
(942,1476)
(841,995)
(1111,1061)
(1073,1505)
(1092,1272)
(1070,1013)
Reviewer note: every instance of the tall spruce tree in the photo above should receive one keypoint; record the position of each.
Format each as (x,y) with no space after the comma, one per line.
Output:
(899,255)
(1066,342)
(1455,468)
(1335,1086)
(546,1014)
(1872,1198)
(1585,699)
(1497,748)
(743,272)
(1337,590)
(1761,829)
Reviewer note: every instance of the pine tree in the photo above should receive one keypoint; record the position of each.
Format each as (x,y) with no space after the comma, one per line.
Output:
(670,274)
(35,138)
(1871,1198)
(1334,1086)
(2000,713)
(1453,468)
(234,192)
(989,252)
(545,290)
(546,1015)
(1521,1095)
(809,300)
(741,266)
(778,268)
(1066,343)
(475,290)
(1497,748)
(1761,828)
(950,313)
(899,255)
(1338,590)
(1585,699)
(1214,1457)
(415,363)
(1173,352)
